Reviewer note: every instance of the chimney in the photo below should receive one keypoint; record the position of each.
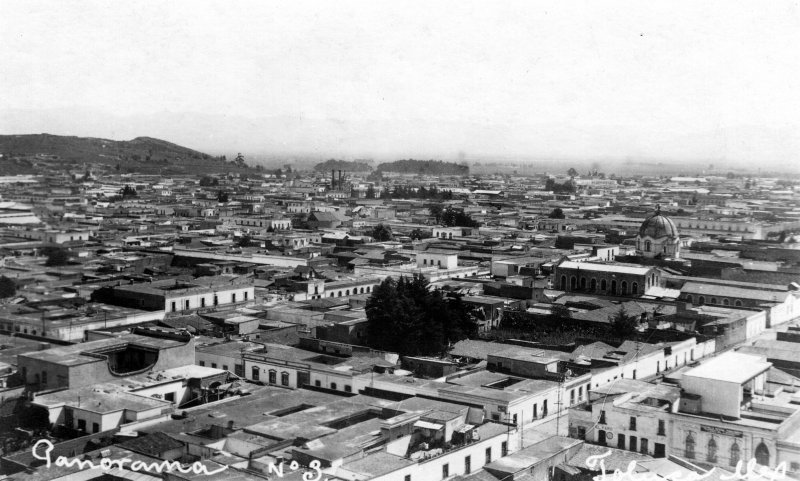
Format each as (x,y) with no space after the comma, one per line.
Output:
(340,180)
(333,179)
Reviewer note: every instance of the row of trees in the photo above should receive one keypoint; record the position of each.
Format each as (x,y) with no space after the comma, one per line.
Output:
(567,187)
(406,192)
(407,317)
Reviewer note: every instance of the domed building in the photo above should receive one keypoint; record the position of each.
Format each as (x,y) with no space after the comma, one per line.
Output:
(658,237)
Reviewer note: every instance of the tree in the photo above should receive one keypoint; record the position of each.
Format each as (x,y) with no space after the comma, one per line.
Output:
(223,196)
(245,241)
(418,234)
(572,172)
(560,311)
(56,256)
(382,233)
(623,325)
(557,213)
(208,181)
(128,191)
(8,288)
(407,317)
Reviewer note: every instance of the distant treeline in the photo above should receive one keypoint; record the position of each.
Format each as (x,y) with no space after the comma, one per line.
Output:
(424,167)
(344,165)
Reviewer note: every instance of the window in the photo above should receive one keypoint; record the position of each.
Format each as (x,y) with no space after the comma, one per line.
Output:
(713,300)
(581,432)
(711,451)
(233,297)
(580,393)
(544,408)
(643,446)
(602,417)
(333,386)
(224,367)
(284,378)
(467,465)
(273,376)
(572,396)
(535,411)
(603,285)
(238,369)
(202,363)
(174,308)
(488,455)
(216,300)
(445,471)
(735,454)
(504,447)
(737,303)
(726,302)
(701,300)
(661,428)
(632,423)
(689,446)
(689,299)
(81,424)
(202,302)
(170,396)
(317,383)
(762,454)
(348,388)
(245,295)
(632,444)
(213,365)
(187,304)
(95,428)
(254,373)
(407,478)
(621,441)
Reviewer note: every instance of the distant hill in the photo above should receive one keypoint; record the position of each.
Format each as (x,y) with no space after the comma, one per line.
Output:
(347,166)
(424,167)
(142,154)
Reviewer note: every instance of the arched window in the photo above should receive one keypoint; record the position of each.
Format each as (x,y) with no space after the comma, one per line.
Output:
(340,294)
(347,293)
(624,288)
(689,446)
(635,288)
(690,299)
(735,454)
(331,294)
(613,287)
(583,283)
(573,283)
(273,376)
(593,284)
(701,300)
(648,246)
(369,288)
(737,303)
(284,378)
(711,451)
(762,454)
(563,283)
(603,285)
(713,301)
(726,302)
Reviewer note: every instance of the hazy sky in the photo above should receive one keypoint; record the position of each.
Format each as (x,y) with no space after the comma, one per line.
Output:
(668,80)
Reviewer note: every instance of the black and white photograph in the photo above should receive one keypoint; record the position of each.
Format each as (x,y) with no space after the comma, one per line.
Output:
(371,240)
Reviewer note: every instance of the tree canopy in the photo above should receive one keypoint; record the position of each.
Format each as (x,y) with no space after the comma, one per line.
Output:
(7,287)
(382,233)
(451,217)
(623,325)
(56,256)
(128,191)
(557,213)
(406,317)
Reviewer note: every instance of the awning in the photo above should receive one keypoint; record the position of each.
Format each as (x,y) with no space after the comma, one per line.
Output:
(428,425)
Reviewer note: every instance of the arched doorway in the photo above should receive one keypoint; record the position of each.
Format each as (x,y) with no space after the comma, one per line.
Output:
(762,454)
(563,283)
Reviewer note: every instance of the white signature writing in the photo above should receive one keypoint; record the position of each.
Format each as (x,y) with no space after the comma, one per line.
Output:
(751,471)
(108,464)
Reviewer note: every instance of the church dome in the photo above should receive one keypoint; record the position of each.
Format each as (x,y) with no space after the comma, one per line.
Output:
(657,226)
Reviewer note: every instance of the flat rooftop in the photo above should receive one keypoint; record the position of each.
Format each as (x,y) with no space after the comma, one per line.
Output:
(733,367)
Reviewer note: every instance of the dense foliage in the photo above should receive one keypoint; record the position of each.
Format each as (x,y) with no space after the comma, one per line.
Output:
(7,287)
(56,256)
(406,192)
(343,165)
(382,233)
(567,187)
(424,167)
(406,317)
(450,217)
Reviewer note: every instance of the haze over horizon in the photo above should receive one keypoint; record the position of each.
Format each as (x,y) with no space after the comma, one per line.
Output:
(672,81)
